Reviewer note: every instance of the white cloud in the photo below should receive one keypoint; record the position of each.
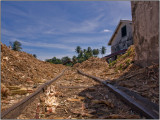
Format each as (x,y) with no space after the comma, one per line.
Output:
(85,39)
(106,30)
(66,26)
(46,45)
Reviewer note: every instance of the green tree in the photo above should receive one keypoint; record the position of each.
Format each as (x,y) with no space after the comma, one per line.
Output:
(95,52)
(103,50)
(65,59)
(16,46)
(78,49)
(49,60)
(80,54)
(84,50)
(74,59)
(87,56)
(89,50)
(54,60)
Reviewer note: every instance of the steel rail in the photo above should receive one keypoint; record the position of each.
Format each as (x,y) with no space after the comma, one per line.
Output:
(138,103)
(15,110)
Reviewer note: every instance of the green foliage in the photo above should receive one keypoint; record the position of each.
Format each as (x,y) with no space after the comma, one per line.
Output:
(65,59)
(120,67)
(111,64)
(16,45)
(84,50)
(126,54)
(80,54)
(81,59)
(110,60)
(78,49)
(74,59)
(123,66)
(128,62)
(103,50)
(95,52)
(89,50)
(83,55)
(54,60)
(69,64)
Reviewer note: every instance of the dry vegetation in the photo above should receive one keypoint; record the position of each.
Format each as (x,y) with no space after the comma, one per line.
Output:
(74,96)
(21,74)
(123,72)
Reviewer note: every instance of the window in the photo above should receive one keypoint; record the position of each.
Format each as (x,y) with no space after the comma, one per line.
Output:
(124,31)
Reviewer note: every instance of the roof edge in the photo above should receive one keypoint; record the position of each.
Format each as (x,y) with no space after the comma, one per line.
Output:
(115,31)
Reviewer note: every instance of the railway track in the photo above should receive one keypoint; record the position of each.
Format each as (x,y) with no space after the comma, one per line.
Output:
(139,104)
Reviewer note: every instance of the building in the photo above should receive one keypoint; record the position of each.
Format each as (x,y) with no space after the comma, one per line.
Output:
(121,38)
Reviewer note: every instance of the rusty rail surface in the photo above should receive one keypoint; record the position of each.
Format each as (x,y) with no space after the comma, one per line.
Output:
(138,103)
(15,110)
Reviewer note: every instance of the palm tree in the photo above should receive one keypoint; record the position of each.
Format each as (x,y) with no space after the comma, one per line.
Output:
(78,49)
(95,52)
(80,54)
(84,50)
(89,50)
(103,50)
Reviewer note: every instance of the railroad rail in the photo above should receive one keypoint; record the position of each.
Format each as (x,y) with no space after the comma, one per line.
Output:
(15,110)
(136,102)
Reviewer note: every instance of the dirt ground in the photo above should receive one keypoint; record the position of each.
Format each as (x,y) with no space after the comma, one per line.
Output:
(74,96)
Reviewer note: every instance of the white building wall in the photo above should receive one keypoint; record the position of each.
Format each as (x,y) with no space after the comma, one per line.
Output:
(121,42)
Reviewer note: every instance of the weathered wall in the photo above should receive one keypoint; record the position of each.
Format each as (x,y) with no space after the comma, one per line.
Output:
(122,42)
(145,21)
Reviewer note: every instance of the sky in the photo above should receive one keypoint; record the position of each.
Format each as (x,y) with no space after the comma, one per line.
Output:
(55,28)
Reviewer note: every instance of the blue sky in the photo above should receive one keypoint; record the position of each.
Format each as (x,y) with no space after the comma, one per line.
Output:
(52,28)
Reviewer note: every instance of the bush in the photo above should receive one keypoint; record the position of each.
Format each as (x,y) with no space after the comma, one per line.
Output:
(16,45)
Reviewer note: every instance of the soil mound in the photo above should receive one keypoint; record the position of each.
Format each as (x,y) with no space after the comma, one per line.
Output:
(19,67)
(92,62)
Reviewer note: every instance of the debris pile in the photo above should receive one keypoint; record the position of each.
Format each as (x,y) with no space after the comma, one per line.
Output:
(19,67)
(92,62)
(124,72)
(78,97)
(144,81)
(21,73)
